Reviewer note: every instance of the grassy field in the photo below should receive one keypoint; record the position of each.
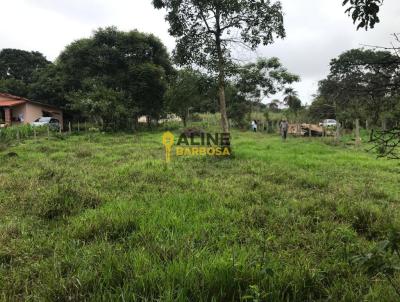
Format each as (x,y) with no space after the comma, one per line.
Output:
(103,218)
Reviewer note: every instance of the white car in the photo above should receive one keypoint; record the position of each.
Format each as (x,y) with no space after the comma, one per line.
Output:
(328,123)
(50,122)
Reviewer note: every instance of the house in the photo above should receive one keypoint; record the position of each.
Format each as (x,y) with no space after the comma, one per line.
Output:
(16,110)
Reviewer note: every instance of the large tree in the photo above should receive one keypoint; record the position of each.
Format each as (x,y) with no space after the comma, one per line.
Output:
(206,29)
(17,69)
(363,82)
(48,86)
(134,64)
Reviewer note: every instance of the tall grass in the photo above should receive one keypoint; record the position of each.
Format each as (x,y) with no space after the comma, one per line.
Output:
(102,218)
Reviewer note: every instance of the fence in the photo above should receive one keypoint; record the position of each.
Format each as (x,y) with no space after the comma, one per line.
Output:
(22,132)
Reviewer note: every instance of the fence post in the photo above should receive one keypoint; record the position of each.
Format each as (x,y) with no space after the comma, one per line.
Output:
(69,128)
(366,125)
(358,138)
(18,136)
(48,132)
(79,127)
(34,133)
(85,127)
(384,128)
(338,132)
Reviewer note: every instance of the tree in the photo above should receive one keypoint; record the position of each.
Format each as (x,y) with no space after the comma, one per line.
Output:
(134,64)
(104,106)
(363,82)
(238,107)
(322,109)
(48,86)
(263,78)
(184,93)
(274,105)
(364,11)
(20,65)
(17,69)
(14,86)
(205,30)
(292,101)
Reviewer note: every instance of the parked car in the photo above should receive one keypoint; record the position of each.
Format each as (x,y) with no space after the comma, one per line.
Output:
(50,122)
(328,123)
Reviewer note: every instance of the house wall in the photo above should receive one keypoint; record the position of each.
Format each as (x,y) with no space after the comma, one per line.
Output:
(35,111)
(17,110)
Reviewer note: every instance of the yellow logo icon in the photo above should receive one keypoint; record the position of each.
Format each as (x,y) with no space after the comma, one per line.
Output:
(168,141)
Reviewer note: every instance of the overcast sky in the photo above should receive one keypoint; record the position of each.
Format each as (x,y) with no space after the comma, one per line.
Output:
(317,30)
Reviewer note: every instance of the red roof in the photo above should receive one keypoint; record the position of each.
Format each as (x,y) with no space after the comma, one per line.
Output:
(11,103)
(9,100)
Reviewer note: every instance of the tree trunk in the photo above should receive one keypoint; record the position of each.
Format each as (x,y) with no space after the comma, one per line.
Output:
(184,120)
(221,80)
(222,104)
(358,138)
(384,124)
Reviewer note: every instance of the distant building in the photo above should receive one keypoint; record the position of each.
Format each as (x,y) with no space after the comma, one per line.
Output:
(16,110)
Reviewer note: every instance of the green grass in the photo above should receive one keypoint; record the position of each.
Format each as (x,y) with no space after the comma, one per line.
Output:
(103,218)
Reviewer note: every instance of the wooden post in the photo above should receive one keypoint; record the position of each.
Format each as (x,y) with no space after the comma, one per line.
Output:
(338,132)
(309,130)
(358,138)
(69,128)
(18,136)
(34,133)
(384,128)
(85,127)
(366,125)
(78,127)
(48,132)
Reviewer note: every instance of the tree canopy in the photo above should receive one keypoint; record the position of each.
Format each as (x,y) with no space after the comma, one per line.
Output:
(18,68)
(20,65)
(132,64)
(263,78)
(362,83)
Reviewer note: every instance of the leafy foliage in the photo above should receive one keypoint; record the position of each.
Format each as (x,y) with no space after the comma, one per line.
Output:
(362,83)
(17,69)
(365,12)
(292,101)
(184,93)
(20,65)
(103,105)
(263,78)
(129,64)
(205,30)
